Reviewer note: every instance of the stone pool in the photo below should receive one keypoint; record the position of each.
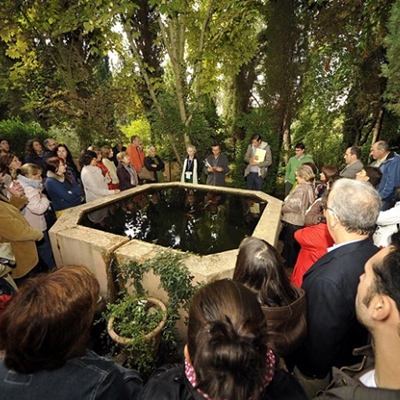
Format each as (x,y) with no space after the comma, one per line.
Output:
(76,240)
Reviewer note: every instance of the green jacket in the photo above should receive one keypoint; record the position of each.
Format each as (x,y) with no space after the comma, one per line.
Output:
(293,164)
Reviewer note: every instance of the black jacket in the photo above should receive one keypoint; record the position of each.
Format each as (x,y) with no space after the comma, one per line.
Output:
(170,383)
(333,330)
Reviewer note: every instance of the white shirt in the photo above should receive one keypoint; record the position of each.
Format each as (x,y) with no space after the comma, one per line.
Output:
(368,379)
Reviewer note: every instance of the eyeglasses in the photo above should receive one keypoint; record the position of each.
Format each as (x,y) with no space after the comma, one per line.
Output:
(326,208)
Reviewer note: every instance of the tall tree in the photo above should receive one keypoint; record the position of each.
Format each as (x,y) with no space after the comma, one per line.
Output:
(200,42)
(58,47)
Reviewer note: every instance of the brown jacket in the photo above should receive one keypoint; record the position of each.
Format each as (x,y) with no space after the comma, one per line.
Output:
(287,325)
(15,230)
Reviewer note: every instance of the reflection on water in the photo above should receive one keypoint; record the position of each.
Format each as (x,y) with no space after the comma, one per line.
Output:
(197,221)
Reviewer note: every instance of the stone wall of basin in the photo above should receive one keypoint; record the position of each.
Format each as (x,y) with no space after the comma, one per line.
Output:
(76,244)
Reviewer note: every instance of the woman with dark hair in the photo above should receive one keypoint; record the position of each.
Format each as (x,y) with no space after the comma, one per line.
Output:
(44,331)
(63,152)
(107,155)
(328,172)
(373,175)
(34,153)
(62,190)
(9,163)
(226,356)
(4,146)
(260,268)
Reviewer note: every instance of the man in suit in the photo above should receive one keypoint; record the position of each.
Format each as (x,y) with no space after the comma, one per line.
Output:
(331,285)
(378,309)
(353,163)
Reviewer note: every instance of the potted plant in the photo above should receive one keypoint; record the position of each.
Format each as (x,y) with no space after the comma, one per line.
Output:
(137,322)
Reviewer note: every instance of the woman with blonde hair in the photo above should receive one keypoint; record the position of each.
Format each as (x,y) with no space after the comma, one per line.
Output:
(30,177)
(293,212)
(107,155)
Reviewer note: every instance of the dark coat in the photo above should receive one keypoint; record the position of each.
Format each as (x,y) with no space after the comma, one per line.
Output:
(333,330)
(170,383)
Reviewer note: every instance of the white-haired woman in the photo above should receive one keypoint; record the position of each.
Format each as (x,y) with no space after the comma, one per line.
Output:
(190,170)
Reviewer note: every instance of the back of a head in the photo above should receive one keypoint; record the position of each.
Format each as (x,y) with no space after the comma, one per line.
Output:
(260,268)
(29,169)
(356,205)
(374,174)
(5,161)
(121,155)
(227,341)
(382,145)
(49,319)
(330,171)
(52,163)
(305,172)
(355,151)
(87,157)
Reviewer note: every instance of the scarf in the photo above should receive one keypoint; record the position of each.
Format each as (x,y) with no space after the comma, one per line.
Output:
(132,174)
(37,184)
(191,374)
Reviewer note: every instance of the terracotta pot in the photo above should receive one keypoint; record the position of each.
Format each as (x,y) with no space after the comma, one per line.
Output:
(156,333)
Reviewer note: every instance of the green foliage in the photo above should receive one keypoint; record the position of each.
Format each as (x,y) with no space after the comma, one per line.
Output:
(139,127)
(175,280)
(18,133)
(391,69)
(135,317)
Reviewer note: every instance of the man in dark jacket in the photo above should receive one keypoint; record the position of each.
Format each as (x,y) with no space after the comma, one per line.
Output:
(378,309)
(331,285)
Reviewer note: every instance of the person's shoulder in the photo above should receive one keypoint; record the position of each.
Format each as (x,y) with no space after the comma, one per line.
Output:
(283,387)
(92,360)
(167,382)
(345,387)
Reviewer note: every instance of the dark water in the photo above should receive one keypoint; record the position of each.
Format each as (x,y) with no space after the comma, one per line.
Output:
(200,222)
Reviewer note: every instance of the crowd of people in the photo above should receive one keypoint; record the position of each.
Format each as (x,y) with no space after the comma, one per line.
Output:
(320,319)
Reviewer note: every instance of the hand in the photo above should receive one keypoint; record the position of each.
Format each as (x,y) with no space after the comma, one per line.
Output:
(116,191)
(218,169)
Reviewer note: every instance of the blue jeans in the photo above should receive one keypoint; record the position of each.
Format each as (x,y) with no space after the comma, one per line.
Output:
(254,181)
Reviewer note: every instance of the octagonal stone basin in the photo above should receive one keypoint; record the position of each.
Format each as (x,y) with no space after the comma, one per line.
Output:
(76,244)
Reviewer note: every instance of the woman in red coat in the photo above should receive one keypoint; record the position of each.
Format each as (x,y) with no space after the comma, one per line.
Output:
(314,240)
